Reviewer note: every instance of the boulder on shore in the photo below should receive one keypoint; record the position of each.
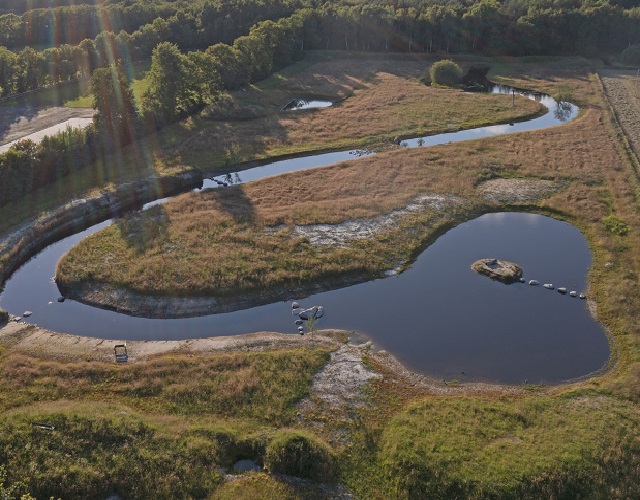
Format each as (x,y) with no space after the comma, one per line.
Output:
(500,270)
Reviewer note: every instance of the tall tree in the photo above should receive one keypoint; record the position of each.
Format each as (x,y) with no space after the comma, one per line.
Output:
(168,84)
(7,64)
(113,99)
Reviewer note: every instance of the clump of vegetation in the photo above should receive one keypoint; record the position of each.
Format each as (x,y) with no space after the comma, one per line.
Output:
(564,93)
(631,55)
(301,454)
(615,225)
(483,448)
(97,457)
(4,316)
(16,490)
(446,73)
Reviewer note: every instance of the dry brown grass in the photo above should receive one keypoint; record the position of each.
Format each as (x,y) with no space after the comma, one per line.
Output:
(584,154)
(385,100)
(214,242)
(623,92)
(226,385)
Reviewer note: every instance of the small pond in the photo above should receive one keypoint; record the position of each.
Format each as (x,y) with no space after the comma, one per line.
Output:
(438,317)
(297,104)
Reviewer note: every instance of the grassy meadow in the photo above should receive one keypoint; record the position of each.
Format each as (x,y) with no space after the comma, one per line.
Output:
(218,243)
(164,425)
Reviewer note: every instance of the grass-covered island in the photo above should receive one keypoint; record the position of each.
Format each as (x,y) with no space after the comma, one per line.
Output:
(245,244)
(344,417)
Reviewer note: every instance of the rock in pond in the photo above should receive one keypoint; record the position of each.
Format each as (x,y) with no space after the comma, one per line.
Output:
(500,270)
(583,296)
(534,282)
(26,314)
(573,293)
(562,290)
(314,312)
(548,286)
(60,299)
(295,305)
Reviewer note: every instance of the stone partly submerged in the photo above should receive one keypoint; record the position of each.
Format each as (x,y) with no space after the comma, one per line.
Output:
(500,270)
(315,312)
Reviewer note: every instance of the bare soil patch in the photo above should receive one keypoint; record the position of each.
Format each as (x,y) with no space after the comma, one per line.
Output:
(23,119)
(518,190)
(331,235)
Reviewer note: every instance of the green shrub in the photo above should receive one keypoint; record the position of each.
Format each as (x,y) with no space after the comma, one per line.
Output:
(616,225)
(631,55)
(4,316)
(96,458)
(446,73)
(299,454)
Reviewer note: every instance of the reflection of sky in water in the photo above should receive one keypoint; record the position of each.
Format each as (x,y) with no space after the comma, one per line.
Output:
(31,287)
(495,129)
(297,104)
(438,316)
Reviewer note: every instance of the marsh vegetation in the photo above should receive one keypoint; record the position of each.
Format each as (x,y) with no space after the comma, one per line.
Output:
(168,422)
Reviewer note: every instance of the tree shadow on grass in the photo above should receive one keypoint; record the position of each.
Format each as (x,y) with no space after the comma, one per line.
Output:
(143,230)
(12,115)
(234,202)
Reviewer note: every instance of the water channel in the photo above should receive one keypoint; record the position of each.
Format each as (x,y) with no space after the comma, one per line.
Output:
(438,317)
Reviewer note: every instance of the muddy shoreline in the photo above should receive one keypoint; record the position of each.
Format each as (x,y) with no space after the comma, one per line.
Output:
(147,305)
(42,343)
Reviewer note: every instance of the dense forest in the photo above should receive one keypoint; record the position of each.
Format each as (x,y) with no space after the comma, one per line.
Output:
(45,46)
(199,49)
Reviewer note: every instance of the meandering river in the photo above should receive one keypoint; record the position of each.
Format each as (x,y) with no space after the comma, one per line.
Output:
(438,317)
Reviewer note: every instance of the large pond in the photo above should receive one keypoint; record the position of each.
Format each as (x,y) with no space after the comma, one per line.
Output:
(438,317)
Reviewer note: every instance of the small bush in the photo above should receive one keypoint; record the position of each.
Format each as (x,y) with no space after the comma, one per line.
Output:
(446,73)
(564,93)
(631,55)
(616,225)
(4,316)
(299,454)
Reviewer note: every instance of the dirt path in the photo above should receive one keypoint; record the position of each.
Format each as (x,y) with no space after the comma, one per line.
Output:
(622,89)
(338,385)
(22,120)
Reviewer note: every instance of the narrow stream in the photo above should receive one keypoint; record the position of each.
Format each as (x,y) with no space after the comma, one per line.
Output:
(459,323)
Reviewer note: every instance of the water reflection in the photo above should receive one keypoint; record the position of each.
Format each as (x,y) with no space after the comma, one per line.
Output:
(297,104)
(562,111)
(390,304)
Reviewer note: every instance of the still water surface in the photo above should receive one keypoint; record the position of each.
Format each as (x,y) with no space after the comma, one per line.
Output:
(438,317)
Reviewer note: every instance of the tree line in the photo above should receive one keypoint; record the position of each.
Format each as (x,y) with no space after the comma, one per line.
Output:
(179,84)
(183,82)
(197,26)
(511,27)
